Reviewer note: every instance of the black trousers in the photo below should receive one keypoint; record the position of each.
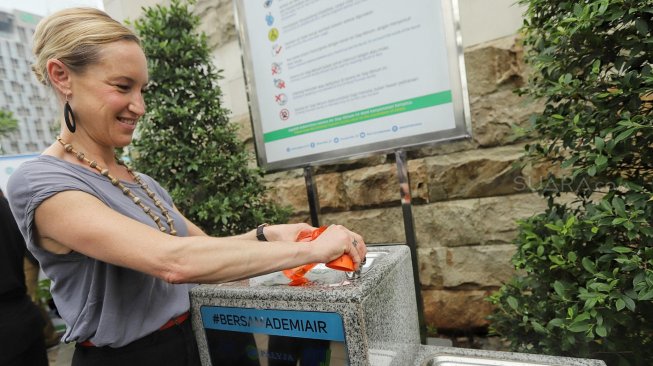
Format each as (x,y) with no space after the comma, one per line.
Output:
(175,346)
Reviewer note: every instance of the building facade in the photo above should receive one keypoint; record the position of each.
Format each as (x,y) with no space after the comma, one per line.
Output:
(31,103)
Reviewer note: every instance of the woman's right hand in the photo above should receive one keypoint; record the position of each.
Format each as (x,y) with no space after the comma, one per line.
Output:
(337,240)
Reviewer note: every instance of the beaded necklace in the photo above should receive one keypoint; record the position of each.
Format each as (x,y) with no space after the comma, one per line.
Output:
(125,190)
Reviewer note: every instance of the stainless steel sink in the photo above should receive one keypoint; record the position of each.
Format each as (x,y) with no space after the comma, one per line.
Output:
(453,360)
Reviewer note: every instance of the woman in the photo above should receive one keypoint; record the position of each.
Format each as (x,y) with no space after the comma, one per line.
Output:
(117,250)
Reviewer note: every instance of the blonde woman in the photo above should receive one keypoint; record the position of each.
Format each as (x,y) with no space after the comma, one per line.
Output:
(118,252)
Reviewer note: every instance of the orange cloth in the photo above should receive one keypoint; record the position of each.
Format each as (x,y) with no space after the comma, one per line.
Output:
(296,275)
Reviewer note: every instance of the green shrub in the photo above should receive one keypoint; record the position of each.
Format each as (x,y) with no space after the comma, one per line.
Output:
(185,140)
(584,283)
(8,124)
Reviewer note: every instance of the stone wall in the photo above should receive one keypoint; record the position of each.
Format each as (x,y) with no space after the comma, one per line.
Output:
(466,195)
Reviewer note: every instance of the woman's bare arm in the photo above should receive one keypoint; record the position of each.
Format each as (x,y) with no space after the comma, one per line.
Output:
(95,230)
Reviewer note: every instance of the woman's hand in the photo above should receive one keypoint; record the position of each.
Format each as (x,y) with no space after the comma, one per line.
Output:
(337,240)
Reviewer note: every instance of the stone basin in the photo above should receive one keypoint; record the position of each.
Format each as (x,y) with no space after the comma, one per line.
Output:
(454,360)
(321,275)
(450,356)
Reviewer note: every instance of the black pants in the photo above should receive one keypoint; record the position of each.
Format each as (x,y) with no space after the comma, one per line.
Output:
(175,346)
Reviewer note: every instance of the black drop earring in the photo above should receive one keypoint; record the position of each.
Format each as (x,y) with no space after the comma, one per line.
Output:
(69,117)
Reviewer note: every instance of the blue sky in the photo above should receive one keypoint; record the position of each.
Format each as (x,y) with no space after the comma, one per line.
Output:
(45,7)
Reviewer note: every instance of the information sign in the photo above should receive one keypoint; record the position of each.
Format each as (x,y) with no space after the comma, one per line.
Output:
(334,79)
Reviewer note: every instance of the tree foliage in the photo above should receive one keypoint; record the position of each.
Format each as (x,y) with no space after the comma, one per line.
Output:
(585,266)
(8,123)
(185,140)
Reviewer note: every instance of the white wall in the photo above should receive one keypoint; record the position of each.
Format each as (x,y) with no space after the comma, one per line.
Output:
(485,20)
(122,10)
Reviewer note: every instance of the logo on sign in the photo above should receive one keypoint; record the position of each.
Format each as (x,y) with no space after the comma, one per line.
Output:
(276,50)
(275,68)
(273,34)
(281,99)
(269,19)
(279,83)
(284,114)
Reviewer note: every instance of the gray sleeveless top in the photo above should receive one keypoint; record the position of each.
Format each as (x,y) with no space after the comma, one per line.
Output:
(106,304)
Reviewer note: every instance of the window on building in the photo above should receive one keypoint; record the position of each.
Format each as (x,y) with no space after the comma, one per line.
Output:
(32,147)
(22,111)
(6,22)
(20,50)
(22,34)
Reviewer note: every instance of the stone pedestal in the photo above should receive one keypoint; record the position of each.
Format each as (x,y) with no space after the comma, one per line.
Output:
(376,313)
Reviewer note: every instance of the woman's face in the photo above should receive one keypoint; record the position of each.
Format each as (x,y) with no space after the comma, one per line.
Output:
(107,98)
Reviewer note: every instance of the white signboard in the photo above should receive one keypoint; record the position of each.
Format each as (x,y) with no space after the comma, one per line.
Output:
(9,164)
(333,79)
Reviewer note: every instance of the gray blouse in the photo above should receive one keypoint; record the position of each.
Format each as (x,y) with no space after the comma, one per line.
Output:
(106,304)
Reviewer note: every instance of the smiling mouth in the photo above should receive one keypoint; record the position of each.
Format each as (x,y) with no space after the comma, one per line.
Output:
(127,121)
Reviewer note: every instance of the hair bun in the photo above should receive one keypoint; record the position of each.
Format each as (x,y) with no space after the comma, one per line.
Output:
(39,75)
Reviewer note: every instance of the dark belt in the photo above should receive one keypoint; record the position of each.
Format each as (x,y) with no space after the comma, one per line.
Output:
(170,323)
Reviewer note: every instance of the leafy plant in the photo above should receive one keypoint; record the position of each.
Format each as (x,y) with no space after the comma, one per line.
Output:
(43,292)
(8,124)
(186,141)
(584,285)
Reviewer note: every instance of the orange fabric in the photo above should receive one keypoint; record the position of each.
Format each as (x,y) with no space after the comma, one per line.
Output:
(296,275)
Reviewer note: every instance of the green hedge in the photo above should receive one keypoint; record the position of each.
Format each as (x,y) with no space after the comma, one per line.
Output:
(584,283)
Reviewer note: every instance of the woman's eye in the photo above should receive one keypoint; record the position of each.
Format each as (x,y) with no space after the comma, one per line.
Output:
(123,87)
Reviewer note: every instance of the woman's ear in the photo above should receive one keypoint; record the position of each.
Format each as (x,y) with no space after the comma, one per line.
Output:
(59,76)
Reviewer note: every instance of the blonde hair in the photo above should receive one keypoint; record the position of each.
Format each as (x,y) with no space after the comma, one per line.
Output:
(75,36)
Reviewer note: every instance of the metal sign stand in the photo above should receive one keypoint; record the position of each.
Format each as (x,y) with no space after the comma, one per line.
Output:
(409,224)
(311,193)
(411,238)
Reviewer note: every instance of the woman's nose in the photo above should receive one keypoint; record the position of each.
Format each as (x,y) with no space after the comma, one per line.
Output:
(137,105)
